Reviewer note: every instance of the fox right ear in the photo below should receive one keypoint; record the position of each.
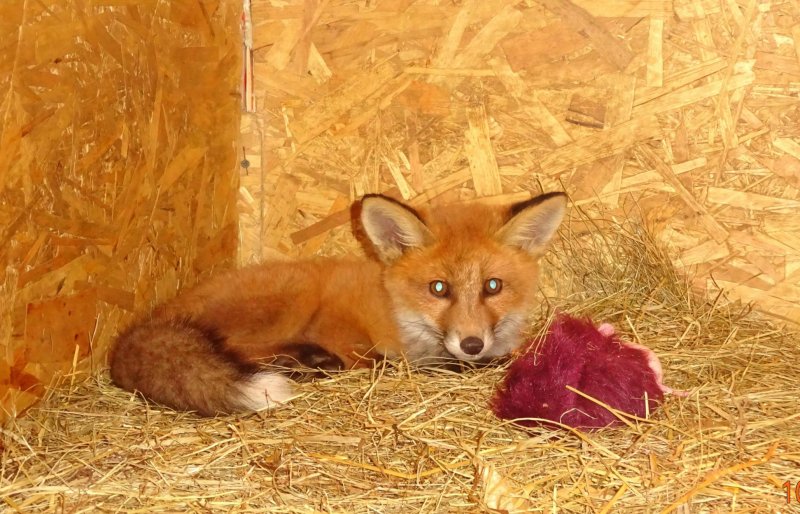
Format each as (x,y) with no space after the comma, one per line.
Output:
(392,227)
(533,223)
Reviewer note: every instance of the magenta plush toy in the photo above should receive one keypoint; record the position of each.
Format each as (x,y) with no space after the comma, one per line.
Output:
(592,360)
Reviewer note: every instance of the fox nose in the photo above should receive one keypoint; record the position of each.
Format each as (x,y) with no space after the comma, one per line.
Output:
(472,345)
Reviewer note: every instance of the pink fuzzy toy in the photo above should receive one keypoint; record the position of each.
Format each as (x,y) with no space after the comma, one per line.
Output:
(592,360)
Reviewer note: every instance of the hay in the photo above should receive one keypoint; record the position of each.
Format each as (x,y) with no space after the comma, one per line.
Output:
(396,440)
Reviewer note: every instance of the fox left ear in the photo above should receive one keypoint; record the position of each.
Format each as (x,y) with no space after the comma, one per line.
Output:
(392,227)
(534,222)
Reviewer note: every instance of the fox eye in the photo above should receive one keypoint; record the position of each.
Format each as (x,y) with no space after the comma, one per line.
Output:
(439,288)
(492,286)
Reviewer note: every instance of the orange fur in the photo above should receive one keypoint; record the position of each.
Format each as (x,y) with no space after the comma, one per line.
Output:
(205,349)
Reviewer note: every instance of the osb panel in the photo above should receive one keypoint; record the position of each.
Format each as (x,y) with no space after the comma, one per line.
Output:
(682,113)
(117,171)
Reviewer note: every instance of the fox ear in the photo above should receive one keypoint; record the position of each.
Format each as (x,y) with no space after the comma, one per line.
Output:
(534,222)
(392,227)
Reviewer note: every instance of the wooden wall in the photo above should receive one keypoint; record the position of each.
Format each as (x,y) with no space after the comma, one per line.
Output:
(117,171)
(681,113)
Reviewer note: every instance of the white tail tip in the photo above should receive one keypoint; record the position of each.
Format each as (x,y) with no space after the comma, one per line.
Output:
(265,391)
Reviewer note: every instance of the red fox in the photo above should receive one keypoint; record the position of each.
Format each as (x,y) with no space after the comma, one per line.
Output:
(451,283)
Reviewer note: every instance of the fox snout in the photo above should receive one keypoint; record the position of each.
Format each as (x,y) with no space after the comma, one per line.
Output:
(467,329)
(469,348)
(477,337)
(472,345)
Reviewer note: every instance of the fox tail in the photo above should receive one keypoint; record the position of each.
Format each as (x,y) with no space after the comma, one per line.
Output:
(184,366)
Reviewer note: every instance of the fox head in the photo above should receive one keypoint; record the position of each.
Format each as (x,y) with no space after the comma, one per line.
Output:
(462,278)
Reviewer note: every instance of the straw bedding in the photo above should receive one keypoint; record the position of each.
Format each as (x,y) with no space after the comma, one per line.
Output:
(399,440)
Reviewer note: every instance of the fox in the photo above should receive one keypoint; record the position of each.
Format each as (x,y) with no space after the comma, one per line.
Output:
(451,283)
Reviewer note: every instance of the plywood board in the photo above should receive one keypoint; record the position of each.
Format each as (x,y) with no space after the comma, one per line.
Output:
(119,173)
(683,114)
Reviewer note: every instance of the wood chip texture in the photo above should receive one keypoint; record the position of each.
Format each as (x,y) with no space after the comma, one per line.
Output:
(682,115)
(118,174)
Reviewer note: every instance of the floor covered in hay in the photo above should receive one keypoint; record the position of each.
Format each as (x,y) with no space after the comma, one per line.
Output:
(398,440)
